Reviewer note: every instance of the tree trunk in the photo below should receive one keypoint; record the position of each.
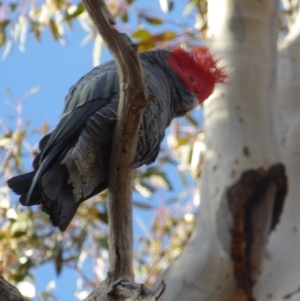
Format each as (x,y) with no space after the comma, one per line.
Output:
(243,185)
(280,279)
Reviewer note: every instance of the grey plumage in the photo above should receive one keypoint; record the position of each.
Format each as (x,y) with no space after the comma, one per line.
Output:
(74,159)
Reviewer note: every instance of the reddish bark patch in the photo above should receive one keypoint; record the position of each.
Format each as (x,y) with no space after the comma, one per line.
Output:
(255,191)
(277,174)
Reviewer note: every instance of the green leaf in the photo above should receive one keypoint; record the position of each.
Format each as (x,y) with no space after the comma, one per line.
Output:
(165,36)
(130,1)
(59,260)
(156,177)
(103,216)
(54,29)
(22,270)
(59,3)
(167,159)
(161,180)
(102,241)
(79,240)
(8,91)
(141,34)
(2,235)
(147,45)
(183,140)
(190,6)
(98,48)
(191,120)
(12,6)
(20,226)
(35,90)
(143,188)
(5,142)
(3,25)
(152,20)
(152,170)
(36,29)
(78,11)
(141,205)
(183,178)
(19,233)
(124,17)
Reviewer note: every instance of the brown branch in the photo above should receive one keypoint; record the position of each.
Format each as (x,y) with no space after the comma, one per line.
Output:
(124,289)
(119,285)
(8,292)
(132,103)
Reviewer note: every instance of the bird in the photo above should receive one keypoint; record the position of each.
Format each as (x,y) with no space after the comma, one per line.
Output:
(73,160)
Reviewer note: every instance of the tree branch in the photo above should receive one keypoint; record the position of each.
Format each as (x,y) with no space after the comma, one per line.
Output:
(8,292)
(132,102)
(119,285)
(125,290)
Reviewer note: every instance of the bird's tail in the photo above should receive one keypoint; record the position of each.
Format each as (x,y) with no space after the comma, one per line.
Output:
(21,184)
(58,198)
(52,190)
(61,209)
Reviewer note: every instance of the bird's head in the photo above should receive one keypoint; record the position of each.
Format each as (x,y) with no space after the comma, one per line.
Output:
(198,70)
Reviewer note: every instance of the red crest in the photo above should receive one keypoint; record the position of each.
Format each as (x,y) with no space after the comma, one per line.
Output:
(198,70)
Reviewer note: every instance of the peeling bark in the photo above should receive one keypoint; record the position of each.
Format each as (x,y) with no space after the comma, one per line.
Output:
(255,203)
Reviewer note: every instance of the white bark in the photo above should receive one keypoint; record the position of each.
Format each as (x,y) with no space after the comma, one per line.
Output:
(281,270)
(240,136)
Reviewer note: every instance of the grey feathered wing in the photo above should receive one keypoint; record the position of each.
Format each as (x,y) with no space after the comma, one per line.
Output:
(53,177)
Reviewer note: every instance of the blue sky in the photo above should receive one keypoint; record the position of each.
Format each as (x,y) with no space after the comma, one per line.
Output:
(54,68)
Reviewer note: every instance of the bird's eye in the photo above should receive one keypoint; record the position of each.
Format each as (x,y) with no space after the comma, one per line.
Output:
(191,79)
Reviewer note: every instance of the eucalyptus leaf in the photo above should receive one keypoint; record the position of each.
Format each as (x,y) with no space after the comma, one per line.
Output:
(77,12)
(141,34)
(54,29)
(142,205)
(152,20)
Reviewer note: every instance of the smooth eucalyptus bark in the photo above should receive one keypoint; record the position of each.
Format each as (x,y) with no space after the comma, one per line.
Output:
(239,137)
(281,268)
